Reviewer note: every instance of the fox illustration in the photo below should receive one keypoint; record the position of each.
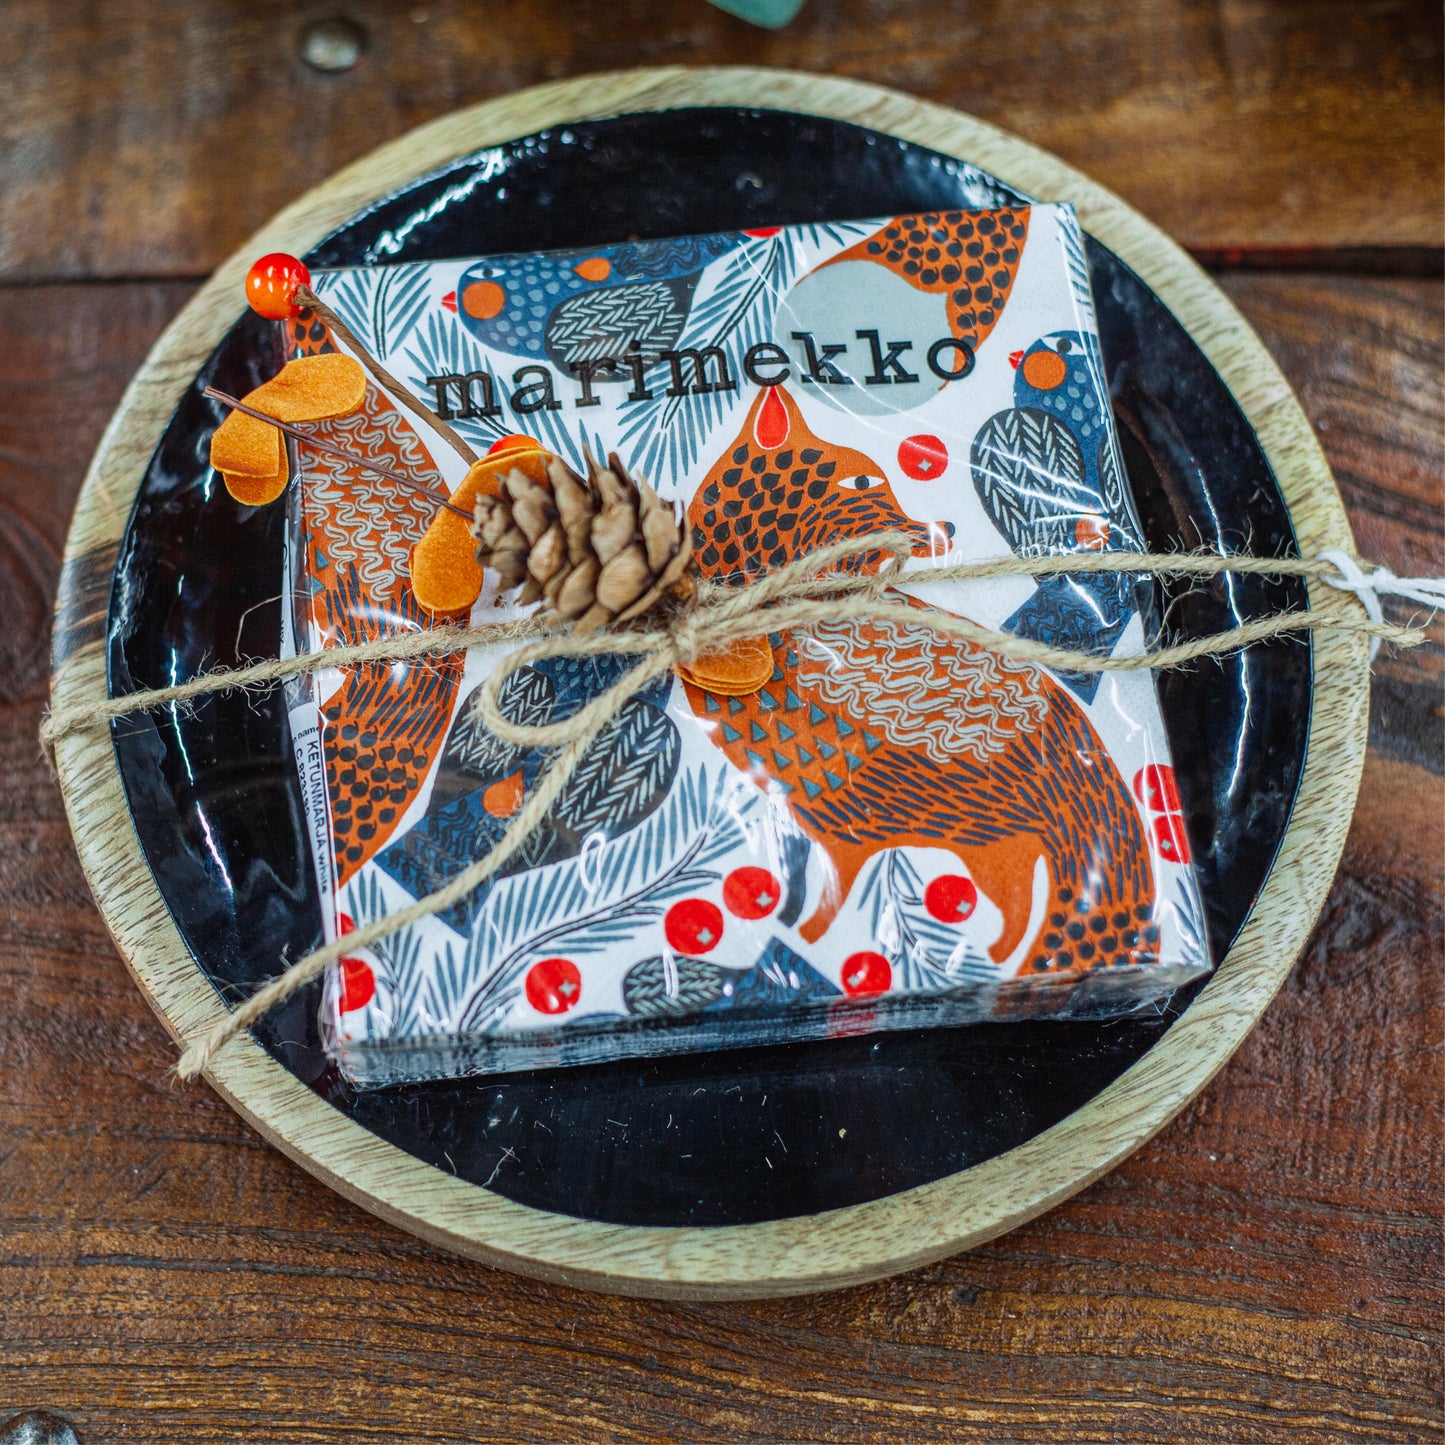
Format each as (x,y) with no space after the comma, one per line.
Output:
(886,735)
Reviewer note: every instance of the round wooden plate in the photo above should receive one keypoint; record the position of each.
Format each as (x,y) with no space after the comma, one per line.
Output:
(777,1256)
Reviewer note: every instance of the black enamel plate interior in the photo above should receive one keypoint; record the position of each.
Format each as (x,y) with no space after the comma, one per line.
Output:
(729,1137)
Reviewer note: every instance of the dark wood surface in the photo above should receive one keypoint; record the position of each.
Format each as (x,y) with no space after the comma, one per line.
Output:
(150,138)
(1269,1268)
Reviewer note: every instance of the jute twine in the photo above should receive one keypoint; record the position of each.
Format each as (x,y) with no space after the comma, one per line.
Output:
(803,593)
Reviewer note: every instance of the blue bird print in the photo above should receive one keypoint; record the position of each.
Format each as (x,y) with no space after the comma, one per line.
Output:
(481,781)
(568,307)
(1049,476)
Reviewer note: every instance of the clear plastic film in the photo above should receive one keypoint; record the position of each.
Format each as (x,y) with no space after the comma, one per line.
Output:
(877,826)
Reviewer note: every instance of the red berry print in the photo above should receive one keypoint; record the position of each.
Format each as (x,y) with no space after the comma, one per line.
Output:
(1155,787)
(271,286)
(358,984)
(950,899)
(554,985)
(922,457)
(1170,838)
(763,232)
(751,892)
(694,926)
(866,973)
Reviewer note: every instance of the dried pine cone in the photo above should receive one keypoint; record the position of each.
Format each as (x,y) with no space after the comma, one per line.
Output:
(598,549)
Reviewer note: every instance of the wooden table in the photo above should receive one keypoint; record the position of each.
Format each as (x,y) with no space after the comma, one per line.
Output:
(1269,1268)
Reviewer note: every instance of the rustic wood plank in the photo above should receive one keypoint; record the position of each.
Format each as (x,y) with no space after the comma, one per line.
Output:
(152,138)
(1266,1270)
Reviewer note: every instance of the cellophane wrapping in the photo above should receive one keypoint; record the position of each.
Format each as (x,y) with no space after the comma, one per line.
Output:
(893,828)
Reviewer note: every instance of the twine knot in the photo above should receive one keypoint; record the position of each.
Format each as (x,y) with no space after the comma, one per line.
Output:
(684,639)
(1369,587)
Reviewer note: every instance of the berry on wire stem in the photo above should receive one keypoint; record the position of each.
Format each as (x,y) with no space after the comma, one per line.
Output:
(271,285)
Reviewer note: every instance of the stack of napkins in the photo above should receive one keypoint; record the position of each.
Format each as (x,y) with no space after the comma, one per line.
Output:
(886,827)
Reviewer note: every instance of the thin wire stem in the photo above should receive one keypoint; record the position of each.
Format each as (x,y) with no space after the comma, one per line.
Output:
(305,296)
(312,440)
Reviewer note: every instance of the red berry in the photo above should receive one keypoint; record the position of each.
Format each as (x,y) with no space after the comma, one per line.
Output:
(1170,838)
(751,892)
(694,926)
(271,285)
(513,442)
(1155,787)
(358,984)
(923,457)
(554,985)
(866,973)
(344,923)
(763,232)
(950,899)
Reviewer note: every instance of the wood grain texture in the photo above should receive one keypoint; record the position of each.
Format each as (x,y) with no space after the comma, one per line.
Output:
(151,138)
(1267,1269)
(830,1248)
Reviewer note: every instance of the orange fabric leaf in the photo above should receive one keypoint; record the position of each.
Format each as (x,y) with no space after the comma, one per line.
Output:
(734,672)
(445,573)
(312,388)
(257,491)
(250,454)
(247,447)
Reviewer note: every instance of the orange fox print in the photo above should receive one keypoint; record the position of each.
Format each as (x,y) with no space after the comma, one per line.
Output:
(888,735)
(384,726)
(306,334)
(969,257)
(780,492)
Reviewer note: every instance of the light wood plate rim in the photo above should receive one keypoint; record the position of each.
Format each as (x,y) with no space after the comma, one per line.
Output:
(839,1247)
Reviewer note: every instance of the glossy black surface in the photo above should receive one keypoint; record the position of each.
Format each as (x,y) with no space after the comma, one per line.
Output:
(728,1137)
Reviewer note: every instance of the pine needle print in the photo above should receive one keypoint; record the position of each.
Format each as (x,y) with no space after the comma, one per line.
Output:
(586,905)
(928,955)
(1188,913)
(663,437)
(381,305)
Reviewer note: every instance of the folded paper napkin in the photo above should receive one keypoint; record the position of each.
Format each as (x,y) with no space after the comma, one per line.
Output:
(858,825)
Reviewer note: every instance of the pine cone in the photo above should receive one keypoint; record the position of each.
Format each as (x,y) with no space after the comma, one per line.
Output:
(598,549)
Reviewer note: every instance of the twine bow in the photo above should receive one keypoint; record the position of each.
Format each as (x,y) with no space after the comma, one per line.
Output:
(800,594)
(1369,587)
